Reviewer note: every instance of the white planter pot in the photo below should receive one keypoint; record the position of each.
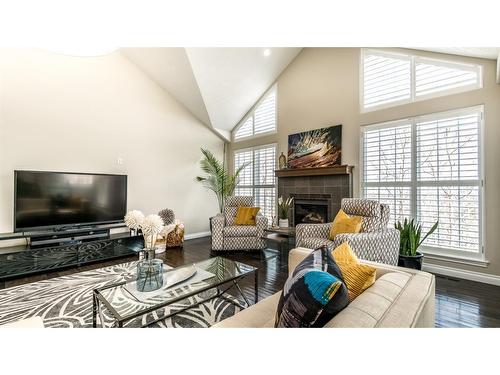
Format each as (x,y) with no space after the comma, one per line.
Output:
(283,223)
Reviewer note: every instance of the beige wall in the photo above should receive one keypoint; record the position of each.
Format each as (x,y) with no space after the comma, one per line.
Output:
(64,113)
(321,88)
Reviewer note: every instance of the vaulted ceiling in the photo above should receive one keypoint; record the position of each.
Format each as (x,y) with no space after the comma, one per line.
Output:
(220,85)
(217,85)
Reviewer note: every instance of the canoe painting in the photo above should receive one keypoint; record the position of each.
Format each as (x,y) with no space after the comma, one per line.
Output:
(315,148)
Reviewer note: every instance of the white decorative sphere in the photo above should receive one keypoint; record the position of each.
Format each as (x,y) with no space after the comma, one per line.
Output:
(133,219)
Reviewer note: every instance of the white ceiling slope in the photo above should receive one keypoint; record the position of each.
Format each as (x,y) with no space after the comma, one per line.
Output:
(231,80)
(170,68)
(218,85)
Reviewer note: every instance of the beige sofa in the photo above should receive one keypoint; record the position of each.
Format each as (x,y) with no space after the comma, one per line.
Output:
(400,297)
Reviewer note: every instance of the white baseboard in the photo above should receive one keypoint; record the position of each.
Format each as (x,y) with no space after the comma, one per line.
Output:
(462,274)
(190,236)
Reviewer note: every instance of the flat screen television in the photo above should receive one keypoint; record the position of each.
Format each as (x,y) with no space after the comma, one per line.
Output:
(52,200)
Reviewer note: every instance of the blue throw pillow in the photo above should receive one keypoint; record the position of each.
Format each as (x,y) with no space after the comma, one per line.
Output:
(313,294)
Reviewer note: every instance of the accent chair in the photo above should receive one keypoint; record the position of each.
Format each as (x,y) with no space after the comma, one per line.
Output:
(227,236)
(376,242)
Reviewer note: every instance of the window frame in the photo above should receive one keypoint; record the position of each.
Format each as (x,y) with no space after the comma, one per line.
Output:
(414,59)
(251,113)
(414,184)
(254,186)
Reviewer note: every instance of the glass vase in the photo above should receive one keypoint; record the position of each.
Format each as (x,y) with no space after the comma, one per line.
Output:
(149,275)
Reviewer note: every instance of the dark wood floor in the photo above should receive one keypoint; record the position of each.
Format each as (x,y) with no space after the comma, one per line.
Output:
(459,303)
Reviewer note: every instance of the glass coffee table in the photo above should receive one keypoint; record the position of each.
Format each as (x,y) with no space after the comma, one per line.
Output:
(124,304)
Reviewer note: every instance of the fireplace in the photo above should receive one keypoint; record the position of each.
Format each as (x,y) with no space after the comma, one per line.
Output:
(317,192)
(310,211)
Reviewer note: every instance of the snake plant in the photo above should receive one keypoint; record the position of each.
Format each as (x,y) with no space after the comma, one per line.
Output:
(410,233)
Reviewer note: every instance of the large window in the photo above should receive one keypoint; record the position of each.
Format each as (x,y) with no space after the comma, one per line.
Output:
(257,179)
(390,79)
(261,120)
(429,168)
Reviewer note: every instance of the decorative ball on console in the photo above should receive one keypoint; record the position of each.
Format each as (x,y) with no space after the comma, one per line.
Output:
(167,215)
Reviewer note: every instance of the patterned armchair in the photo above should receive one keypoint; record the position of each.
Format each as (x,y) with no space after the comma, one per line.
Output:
(376,242)
(227,236)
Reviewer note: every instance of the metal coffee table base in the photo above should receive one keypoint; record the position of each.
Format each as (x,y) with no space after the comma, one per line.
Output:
(98,301)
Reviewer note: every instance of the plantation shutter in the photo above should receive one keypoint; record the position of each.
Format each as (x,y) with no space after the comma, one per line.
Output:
(387,167)
(246,130)
(390,79)
(434,76)
(261,120)
(265,115)
(448,179)
(258,179)
(386,79)
(429,168)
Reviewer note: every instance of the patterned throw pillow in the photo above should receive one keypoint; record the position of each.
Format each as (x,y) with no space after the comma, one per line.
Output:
(313,294)
(358,277)
(344,223)
(246,215)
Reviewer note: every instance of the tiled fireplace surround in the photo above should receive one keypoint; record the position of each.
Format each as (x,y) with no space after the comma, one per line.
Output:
(329,188)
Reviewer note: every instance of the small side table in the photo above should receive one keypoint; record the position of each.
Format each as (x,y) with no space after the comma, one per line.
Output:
(284,238)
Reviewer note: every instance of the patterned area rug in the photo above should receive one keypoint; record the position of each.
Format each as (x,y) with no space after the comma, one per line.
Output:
(67,302)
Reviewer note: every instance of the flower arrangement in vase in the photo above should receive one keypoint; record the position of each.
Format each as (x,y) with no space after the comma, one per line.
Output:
(150,270)
(151,226)
(283,209)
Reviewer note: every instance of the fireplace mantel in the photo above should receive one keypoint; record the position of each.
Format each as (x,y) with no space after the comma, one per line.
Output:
(322,171)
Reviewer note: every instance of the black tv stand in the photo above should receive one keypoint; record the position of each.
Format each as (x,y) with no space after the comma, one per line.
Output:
(69,236)
(54,250)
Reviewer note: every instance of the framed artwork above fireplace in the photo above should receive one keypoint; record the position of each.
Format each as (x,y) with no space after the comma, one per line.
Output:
(315,148)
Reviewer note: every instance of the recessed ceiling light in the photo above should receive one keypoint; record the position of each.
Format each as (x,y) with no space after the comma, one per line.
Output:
(266,52)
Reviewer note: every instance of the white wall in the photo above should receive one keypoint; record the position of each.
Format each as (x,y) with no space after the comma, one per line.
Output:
(63,113)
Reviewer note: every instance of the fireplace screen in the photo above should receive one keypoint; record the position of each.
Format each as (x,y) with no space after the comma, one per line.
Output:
(310,212)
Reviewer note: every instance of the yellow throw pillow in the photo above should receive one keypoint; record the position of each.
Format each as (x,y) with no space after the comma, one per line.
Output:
(246,215)
(344,223)
(357,277)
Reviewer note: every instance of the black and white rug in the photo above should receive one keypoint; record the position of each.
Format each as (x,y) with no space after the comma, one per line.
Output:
(67,302)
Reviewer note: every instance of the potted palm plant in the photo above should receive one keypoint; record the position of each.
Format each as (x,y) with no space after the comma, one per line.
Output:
(218,178)
(410,233)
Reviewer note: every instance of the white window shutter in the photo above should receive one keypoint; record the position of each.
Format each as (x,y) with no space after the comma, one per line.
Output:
(261,120)
(389,79)
(386,79)
(448,179)
(265,115)
(245,130)
(429,168)
(258,178)
(433,77)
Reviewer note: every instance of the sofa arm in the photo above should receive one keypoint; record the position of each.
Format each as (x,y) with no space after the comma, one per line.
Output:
(218,223)
(303,231)
(261,223)
(381,246)
(295,256)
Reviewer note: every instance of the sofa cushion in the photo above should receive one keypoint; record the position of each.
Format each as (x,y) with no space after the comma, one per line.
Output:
(313,294)
(370,308)
(240,231)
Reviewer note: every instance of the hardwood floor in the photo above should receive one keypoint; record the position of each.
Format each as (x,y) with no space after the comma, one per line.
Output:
(459,303)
